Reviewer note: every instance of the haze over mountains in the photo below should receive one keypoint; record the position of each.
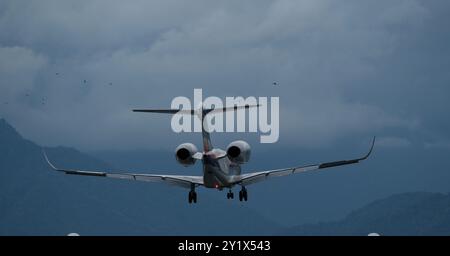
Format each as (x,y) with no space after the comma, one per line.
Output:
(419,213)
(38,201)
(320,196)
(34,200)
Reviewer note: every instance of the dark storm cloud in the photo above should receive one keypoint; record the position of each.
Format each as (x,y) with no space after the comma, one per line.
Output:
(344,68)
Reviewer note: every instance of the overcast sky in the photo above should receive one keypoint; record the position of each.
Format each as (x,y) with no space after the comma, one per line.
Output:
(345,69)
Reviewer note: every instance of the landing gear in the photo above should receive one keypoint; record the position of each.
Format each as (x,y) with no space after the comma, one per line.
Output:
(243,194)
(192,195)
(230,195)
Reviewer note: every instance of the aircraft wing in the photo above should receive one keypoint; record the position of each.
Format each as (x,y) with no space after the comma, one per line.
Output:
(254,177)
(176,180)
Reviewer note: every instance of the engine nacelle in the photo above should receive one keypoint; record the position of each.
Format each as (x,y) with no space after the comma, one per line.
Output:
(184,154)
(238,152)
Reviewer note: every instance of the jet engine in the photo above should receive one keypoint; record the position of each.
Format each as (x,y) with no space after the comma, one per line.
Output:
(238,152)
(184,154)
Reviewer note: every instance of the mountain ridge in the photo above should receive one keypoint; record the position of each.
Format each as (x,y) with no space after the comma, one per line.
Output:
(34,200)
(38,201)
(411,213)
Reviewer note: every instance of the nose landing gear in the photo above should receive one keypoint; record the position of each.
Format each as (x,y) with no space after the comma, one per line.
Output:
(230,195)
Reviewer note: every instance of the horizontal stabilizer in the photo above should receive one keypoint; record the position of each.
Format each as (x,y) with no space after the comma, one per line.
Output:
(165,111)
(224,109)
(193,111)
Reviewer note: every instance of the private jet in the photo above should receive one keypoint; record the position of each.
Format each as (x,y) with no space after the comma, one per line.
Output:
(221,168)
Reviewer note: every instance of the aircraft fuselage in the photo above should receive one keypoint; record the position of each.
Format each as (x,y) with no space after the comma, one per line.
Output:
(218,170)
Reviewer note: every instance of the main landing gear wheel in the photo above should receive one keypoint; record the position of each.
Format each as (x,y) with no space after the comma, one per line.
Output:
(230,195)
(243,194)
(192,197)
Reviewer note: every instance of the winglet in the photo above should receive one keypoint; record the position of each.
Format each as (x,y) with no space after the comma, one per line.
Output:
(48,161)
(345,162)
(370,151)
